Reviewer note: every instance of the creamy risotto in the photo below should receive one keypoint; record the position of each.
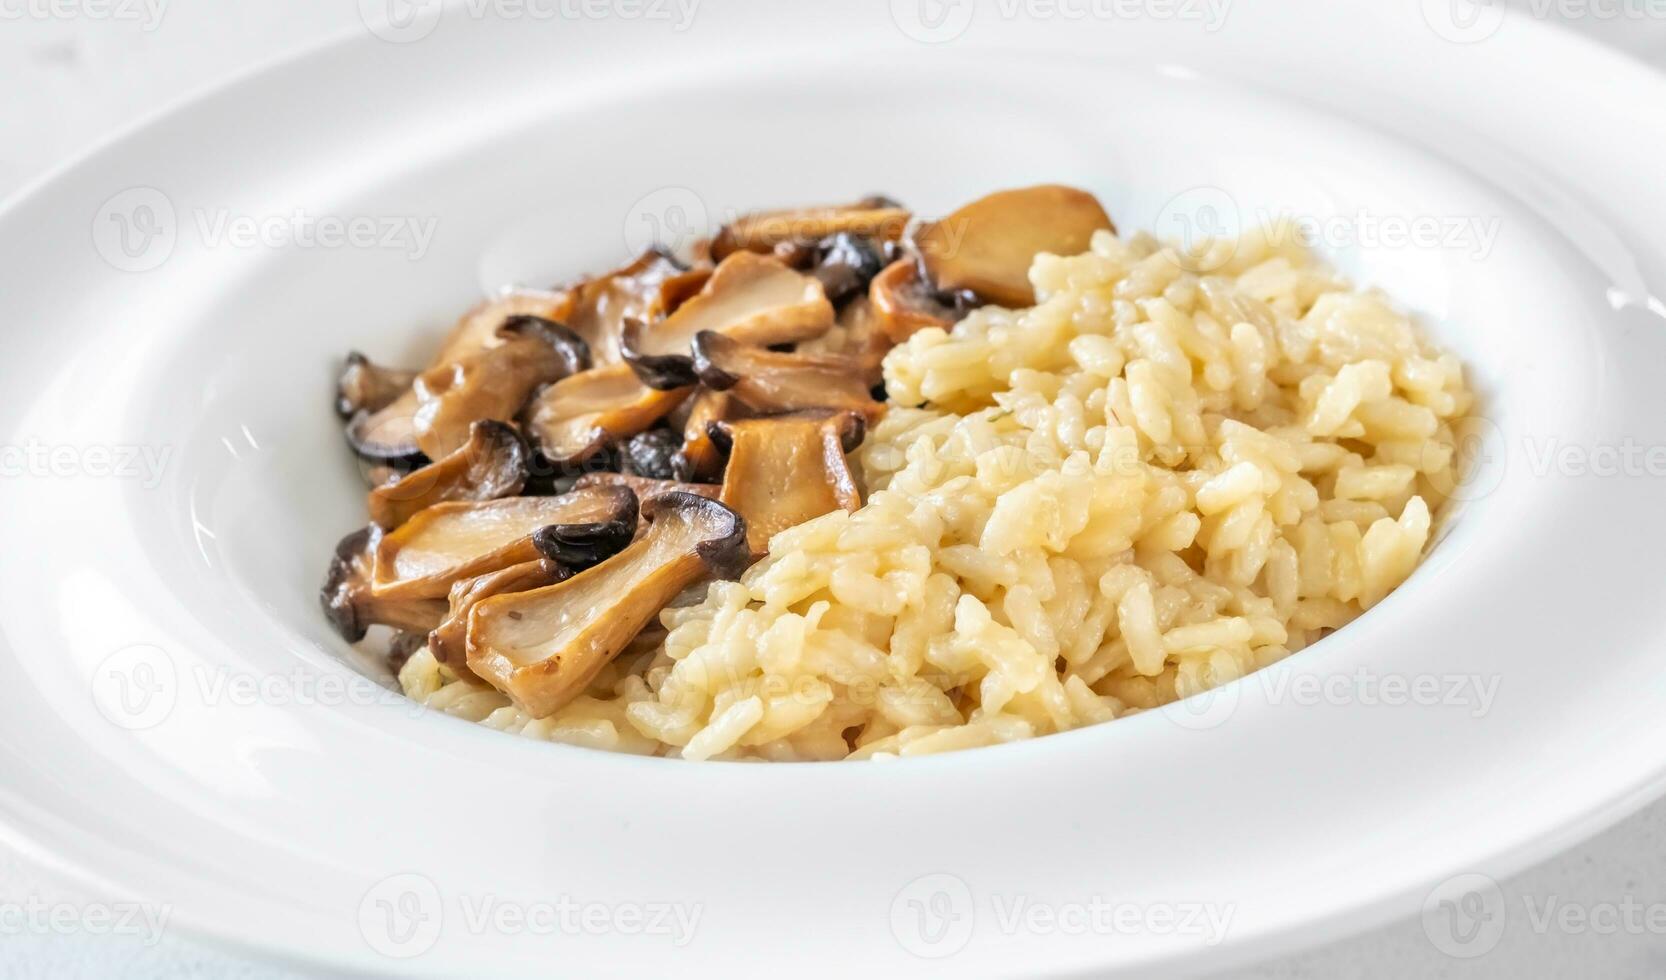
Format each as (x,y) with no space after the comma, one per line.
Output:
(1152,482)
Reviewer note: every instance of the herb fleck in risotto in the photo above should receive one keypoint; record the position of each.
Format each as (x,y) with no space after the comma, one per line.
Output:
(1149,483)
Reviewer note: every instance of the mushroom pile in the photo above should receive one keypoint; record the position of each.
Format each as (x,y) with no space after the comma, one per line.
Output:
(574,460)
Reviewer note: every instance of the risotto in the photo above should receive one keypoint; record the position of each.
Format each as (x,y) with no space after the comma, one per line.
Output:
(1152,482)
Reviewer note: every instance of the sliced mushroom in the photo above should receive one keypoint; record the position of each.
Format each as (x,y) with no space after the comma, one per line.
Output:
(652,453)
(644,487)
(905,303)
(789,469)
(877,218)
(448,641)
(543,647)
(988,245)
(388,435)
(458,540)
(493,383)
(402,646)
(699,458)
(365,386)
(845,264)
(577,417)
(492,464)
(601,305)
(348,598)
(478,329)
(674,291)
(771,382)
(749,297)
(859,334)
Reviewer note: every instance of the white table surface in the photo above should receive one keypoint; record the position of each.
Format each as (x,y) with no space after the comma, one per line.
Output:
(1598,910)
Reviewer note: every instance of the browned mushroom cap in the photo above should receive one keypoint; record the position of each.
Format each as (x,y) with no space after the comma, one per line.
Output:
(478,328)
(644,487)
(577,417)
(365,386)
(876,218)
(749,297)
(601,305)
(674,291)
(857,334)
(493,383)
(771,382)
(543,647)
(388,435)
(349,602)
(905,303)
(492,464)
(463,539)
(789,469)
(700,459)
(988,245)
(448,640)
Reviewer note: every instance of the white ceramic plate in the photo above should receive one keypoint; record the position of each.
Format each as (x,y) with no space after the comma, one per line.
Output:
(179,725)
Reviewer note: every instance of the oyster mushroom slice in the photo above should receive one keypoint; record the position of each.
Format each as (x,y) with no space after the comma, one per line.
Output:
(493,383)
(543,647)
(789,469)
(365,386)
(389,434)
(458,540)
(700,459)
(905,304)
(578,416)
(349,602)
(770,382)
(448,641)
(644,487)
(988,245)
(876,218)
(859,334)
(749,297)
(492,464)
(478,328)
(601,305)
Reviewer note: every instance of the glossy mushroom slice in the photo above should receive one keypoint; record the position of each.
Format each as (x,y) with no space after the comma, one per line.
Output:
(349,602)
(492,464)
(365,386)
(676,290)
(453,541)
(749,297)
(770,382)
(644,487)
(601,305)
(699,458)
(653,453)
(543,647)
(846,263)
(876,218)
(448,641)
(577,417)
(988,245)
(789,469)
(478,328)
(905,303)
(388,435)
(857,334)
(493,383)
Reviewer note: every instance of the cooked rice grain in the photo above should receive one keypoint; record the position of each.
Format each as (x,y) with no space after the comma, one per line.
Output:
(1149,484)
